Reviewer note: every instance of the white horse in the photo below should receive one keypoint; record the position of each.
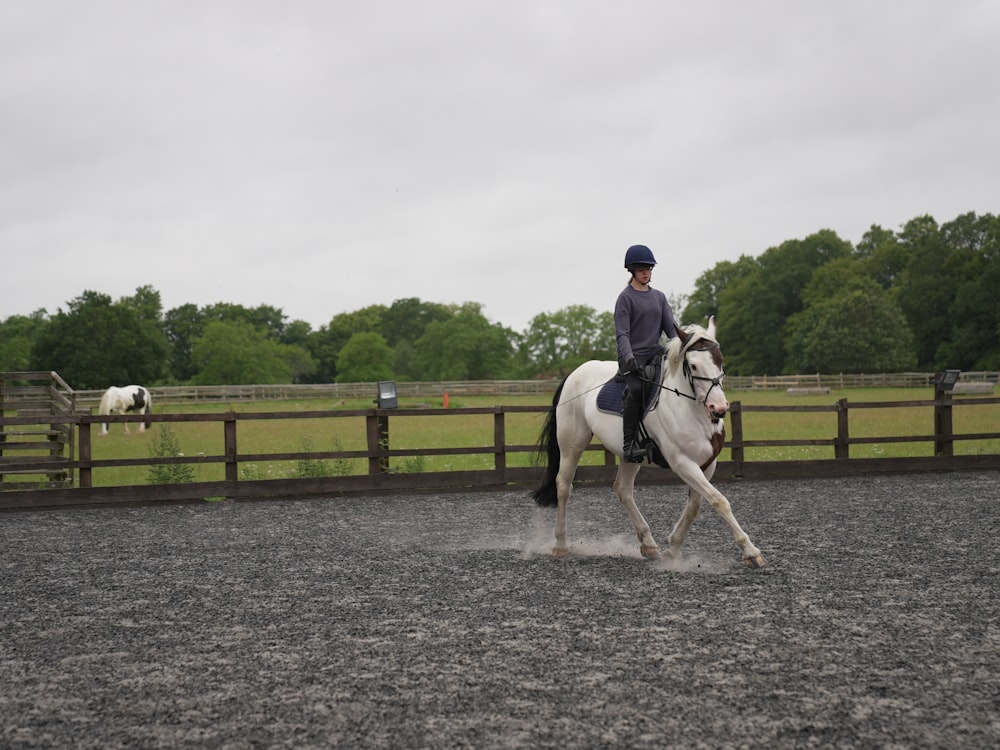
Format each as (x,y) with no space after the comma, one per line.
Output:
(686,425)
(130,398)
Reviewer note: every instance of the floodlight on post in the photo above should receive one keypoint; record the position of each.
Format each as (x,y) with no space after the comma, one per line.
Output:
(387,395)
(945,381)
(386,400)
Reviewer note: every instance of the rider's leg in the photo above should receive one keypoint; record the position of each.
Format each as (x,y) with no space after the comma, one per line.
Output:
(633,452)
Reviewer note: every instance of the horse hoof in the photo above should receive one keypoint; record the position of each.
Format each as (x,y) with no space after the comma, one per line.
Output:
(651,553)
(556,552)
(754,562)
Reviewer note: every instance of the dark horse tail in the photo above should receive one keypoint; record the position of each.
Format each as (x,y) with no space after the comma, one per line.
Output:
(545,496)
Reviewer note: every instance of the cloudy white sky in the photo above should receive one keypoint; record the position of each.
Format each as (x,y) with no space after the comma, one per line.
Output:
(321,156)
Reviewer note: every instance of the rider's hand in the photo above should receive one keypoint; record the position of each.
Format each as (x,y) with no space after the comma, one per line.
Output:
(632,366)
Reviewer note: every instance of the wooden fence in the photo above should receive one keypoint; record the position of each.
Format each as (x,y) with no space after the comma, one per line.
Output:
(48,436)
(379,455)
(342,391)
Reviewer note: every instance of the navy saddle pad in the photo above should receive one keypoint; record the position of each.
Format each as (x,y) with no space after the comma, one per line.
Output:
(610,397)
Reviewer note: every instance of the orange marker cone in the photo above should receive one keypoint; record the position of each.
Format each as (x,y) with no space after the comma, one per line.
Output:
(444,401)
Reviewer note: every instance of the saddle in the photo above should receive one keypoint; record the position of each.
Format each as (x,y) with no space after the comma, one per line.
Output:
(611,399)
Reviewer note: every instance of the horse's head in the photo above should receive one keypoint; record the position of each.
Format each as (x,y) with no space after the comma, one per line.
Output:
(699,353)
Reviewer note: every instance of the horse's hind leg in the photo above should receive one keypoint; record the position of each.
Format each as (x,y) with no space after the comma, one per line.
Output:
(625,489)
(568,461)
(564,488)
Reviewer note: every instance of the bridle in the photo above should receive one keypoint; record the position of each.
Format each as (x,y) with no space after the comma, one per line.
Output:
(698,344)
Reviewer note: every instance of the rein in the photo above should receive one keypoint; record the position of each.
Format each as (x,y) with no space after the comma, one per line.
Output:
(577,396)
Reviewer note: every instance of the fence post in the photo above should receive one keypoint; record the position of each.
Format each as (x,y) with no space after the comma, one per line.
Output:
(229,430)
(943,428)
(842,448)
(377,429)
(736,441)
(86,455)
(499,441)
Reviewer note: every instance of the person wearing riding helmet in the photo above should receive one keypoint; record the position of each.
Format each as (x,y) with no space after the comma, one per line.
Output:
(642,314)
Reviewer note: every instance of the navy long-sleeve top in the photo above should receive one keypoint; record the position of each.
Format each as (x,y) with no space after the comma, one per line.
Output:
(640,318)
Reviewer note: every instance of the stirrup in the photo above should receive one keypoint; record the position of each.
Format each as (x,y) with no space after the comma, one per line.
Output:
(635,453)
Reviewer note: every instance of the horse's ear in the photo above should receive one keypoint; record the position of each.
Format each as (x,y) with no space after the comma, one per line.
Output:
(711,326)
(681,334)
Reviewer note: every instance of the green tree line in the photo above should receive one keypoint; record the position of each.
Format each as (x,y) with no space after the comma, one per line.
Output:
(924,298)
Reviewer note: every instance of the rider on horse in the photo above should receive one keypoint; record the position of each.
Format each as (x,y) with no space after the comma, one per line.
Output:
(641,315)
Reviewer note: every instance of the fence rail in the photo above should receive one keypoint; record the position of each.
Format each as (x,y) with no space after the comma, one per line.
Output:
(331,391)
(89,399)
(343,391)
(379,453)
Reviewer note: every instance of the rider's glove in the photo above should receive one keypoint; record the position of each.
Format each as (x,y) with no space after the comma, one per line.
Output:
(632,367)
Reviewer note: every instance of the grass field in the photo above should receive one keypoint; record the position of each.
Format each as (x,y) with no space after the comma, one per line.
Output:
(455,431)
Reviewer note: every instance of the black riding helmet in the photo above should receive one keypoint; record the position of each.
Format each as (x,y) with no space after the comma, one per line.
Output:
(639,256)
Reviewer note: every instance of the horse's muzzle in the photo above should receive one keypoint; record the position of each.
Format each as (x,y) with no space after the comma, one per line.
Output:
(717,409)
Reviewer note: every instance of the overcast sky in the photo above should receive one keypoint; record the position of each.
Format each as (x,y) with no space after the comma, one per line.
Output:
(321,156)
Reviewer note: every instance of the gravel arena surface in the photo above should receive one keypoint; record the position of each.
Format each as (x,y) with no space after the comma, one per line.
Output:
(442,621)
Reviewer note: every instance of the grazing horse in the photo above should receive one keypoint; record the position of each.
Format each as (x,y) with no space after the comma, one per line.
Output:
(686,426)
(122,400)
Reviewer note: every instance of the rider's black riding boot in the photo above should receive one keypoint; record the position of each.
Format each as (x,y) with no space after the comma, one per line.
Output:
(634,453)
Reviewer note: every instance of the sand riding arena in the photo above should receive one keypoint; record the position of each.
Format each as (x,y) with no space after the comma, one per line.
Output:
(442,621)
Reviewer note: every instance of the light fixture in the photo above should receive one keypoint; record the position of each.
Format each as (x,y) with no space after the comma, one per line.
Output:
(387,395)
(945,381)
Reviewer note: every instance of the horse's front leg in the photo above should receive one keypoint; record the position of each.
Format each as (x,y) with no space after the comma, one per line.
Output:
(698,482)
(683,525)
(625,489)
(691,511)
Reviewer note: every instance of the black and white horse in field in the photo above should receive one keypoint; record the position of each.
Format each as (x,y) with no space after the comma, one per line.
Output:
(123,400)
